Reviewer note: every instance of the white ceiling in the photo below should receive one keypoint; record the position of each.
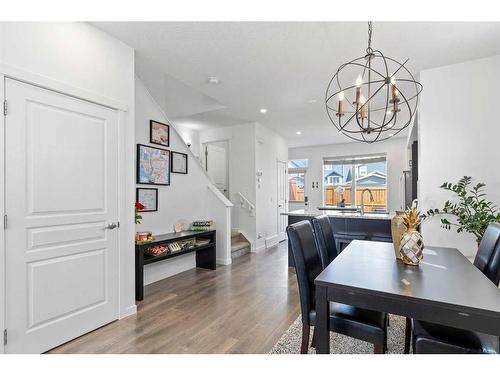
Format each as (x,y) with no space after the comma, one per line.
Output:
(279,65)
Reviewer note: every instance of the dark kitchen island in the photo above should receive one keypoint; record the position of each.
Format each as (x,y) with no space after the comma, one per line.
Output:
(348,226)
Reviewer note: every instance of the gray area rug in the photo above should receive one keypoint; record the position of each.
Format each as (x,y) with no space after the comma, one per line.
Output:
(289,343)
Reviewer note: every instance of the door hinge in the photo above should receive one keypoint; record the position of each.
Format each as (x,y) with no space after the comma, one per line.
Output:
(5,337)
(4,221)
(5,107)
(118,224)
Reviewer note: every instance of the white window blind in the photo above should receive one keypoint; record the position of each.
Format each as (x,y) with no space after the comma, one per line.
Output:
(362,159)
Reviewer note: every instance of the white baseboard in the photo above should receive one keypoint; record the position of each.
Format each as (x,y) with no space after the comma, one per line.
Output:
(161,270)
(224,261)
(260,244)
(272,241)
(131,310)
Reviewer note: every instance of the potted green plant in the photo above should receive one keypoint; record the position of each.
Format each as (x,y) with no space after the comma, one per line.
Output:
(473,212)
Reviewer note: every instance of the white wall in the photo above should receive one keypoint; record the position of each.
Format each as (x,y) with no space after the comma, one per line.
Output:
(459,135)
(241,140)
(395,149)
(270,147)
(187,197)
(73,53)
(80,60)
(191,135)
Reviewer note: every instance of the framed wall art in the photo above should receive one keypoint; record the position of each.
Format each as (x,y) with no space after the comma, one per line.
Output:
(148,197)
(179,162)
(153,165)
(159,133)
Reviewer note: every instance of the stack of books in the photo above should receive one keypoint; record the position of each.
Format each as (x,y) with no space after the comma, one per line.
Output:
(202,225)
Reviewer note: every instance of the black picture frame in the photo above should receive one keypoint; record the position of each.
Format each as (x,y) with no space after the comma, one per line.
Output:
(156,141)
(137,191)
(172,162)
(138,159)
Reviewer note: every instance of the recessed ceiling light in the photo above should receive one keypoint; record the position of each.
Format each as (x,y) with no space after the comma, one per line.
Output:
(312,101)
(298,133)
(263,110)
(213,80)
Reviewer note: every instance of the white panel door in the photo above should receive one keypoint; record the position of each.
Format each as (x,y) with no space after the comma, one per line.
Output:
(216,165)
(61,201)
(282,200)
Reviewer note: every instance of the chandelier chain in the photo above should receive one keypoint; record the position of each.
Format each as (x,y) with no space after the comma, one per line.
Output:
(369,49)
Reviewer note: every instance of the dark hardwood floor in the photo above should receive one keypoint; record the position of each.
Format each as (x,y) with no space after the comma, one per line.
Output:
(241,308)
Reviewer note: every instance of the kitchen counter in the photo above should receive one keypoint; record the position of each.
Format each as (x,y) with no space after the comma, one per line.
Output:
(340,214)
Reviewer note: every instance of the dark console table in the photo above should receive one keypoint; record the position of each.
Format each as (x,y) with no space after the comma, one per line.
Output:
(205,254)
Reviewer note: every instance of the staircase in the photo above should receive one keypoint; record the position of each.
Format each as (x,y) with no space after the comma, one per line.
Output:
(239,244)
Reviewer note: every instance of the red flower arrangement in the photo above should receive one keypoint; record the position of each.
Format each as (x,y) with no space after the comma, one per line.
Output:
(138,207)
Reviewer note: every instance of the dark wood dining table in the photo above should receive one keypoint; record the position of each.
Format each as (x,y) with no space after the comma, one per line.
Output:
(445,288)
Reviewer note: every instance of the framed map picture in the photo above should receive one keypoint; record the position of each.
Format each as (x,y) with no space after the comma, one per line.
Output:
(153,165)
(179,162)
(159,133)
(148,197)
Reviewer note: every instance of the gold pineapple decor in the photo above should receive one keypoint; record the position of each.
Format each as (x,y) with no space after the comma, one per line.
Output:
(411,246)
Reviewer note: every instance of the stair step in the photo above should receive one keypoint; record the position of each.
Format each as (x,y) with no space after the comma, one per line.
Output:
(238,245)
(235,253)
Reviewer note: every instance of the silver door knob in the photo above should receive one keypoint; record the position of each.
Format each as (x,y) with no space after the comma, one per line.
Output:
(111,226)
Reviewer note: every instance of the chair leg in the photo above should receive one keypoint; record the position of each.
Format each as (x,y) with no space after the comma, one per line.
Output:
(306,330)
(385,332)
(407,336)
(378,348)
(313,341)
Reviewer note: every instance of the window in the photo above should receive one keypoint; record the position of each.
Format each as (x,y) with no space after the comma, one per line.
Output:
(297,179)
(298,164)
(342,190)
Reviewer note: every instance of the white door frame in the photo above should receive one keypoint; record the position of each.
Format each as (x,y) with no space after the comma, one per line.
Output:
(285,181)
(126,178)
(2,212)
(228,161)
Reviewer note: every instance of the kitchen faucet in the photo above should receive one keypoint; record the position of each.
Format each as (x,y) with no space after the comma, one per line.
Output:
(363,201)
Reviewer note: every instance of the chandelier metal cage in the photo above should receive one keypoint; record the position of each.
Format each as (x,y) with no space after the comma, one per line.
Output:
(391,96)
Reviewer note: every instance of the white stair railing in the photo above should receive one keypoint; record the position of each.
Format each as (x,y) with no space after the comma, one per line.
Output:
(246,204)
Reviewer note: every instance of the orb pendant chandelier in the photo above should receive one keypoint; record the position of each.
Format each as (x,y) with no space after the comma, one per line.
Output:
(372,98)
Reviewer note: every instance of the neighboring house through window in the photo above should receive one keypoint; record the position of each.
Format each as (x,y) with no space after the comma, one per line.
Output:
(297,179)
(342,190)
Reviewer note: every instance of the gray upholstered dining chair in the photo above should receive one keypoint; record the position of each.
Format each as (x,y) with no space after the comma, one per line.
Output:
(431,338)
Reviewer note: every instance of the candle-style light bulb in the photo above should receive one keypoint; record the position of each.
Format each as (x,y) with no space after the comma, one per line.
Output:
(359,82)
(341,103)
(394,89)
(362,102)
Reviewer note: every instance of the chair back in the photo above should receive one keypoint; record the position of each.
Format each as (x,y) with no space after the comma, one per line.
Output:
(325,239)
(307,263)
(488,255)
